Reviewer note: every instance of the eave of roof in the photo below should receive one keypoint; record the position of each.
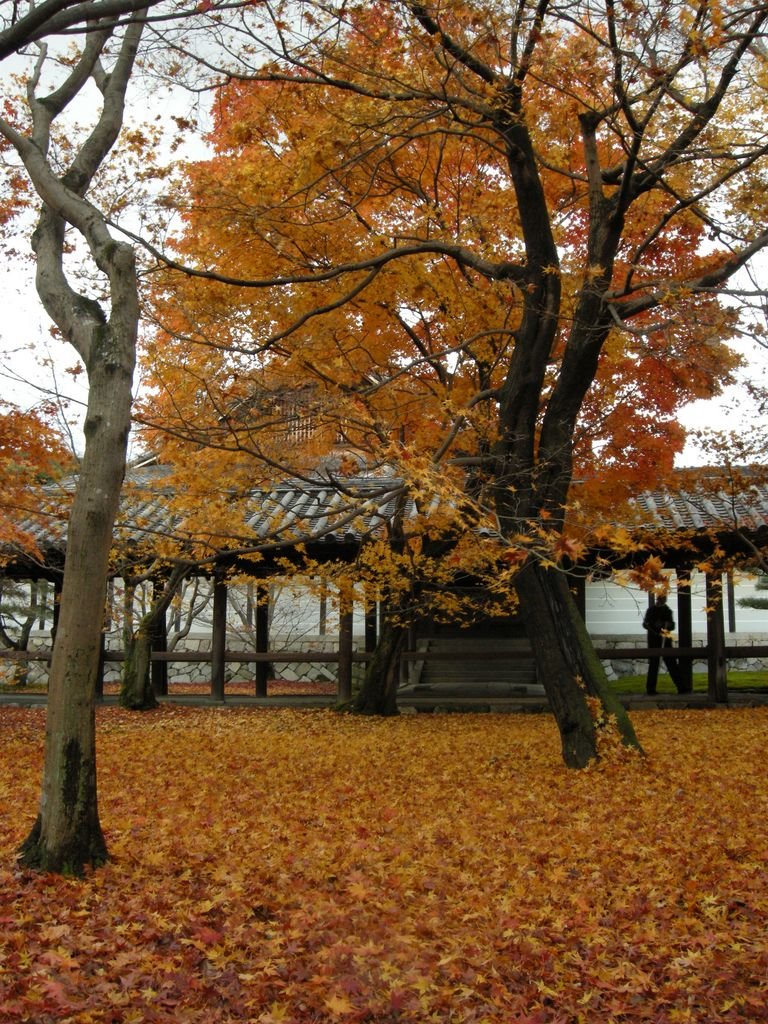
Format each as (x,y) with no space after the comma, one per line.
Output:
(329,512)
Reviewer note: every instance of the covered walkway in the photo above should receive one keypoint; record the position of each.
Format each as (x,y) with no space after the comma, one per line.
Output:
(684,528)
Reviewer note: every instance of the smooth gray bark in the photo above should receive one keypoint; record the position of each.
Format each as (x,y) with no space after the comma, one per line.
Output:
(66,836)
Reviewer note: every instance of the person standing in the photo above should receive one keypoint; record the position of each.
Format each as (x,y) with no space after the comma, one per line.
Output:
(660,624)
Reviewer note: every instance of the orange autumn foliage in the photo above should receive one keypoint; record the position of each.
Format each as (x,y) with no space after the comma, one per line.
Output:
(413,361)
(305,178)
(32,452)
(305,867)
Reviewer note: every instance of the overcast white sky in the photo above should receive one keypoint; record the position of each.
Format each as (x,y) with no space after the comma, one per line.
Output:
(34,363)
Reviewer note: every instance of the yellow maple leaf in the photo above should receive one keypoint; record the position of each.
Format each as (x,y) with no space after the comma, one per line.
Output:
(339,1005)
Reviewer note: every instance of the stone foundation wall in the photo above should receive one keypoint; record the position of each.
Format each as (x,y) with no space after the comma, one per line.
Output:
(200,672)
(38,670)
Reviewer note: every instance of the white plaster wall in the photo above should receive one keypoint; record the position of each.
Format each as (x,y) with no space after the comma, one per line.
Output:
(614,608)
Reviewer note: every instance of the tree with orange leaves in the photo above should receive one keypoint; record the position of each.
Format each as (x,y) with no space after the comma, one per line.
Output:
(506,219)
(32,454)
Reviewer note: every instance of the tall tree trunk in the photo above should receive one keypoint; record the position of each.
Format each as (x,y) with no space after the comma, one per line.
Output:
(378,694)
(570,671)
(67,834)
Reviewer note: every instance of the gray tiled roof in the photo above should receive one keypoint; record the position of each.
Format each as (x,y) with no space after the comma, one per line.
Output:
(329,512)
(294,510)
(688,509)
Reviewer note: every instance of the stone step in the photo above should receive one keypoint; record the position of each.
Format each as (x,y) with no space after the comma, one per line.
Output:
(471,691)
(478,643)
(478,671)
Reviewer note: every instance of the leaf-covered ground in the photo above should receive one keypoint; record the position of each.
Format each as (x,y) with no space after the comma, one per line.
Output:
(305,867)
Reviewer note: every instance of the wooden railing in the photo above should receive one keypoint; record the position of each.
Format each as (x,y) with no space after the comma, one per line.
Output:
(307,657)
(345,659)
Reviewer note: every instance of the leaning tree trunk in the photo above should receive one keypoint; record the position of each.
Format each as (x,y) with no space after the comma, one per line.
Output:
(21,677)
(572,675)
(378,693)
(136,690)
(21,642)
(136,693)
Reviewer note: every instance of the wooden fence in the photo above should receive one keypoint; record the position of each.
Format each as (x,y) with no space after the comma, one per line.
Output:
(716,658)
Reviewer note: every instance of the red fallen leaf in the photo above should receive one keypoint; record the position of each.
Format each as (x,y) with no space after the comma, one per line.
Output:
(422,920)
(57,960)
(399,999)
(209,936)
(55,991)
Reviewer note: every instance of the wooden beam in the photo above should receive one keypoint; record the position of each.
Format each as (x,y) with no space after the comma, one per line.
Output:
(159,644)
(263,668)
(685,623)
(717,674)
(219,637)
(346,610)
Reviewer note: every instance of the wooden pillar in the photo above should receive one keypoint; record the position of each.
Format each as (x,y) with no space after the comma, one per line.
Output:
(219,637)
(346,609)
(578,584)
(42,602)
(250,604)
(159,643)
(262,638)
(731,602)
(717,677)
(685,624)
(322,626)
(102,647)
(57,585)
(371,624)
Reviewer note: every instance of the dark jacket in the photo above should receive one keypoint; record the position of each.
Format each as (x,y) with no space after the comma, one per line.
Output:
(659,619)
